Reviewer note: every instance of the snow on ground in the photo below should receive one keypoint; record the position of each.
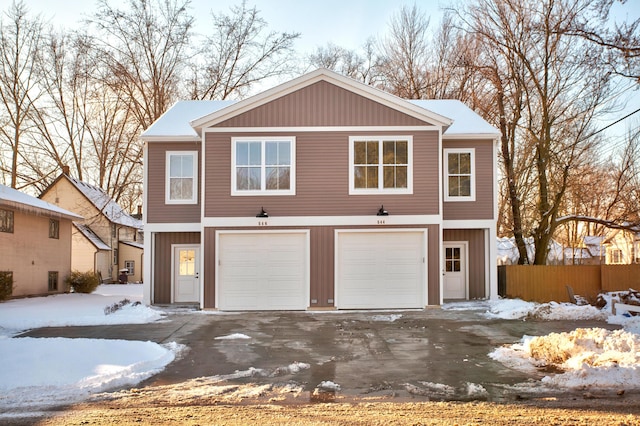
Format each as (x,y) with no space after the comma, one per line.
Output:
(585,358)
(39,373)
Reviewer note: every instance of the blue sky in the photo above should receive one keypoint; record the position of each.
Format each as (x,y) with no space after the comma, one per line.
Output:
(347,23)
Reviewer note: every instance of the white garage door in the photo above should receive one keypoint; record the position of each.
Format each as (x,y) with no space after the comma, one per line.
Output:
(378,270)
(262,271)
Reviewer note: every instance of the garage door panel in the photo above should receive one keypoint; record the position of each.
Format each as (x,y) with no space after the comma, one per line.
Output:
(380,270)
(262,271)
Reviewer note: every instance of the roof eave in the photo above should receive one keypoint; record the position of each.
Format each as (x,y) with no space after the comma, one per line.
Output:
(180,138)
(491,136)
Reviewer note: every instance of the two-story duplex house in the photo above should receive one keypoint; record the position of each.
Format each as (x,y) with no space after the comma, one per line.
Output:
(109,240)
(35,243)
(322,192)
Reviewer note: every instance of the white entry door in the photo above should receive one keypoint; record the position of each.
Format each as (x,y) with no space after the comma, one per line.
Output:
(186,269)
(455,271)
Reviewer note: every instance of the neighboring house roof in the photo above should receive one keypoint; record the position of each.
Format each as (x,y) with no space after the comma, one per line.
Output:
(465,120)
(20,201)
(105,204)
(507,250)
(133,244)
(91,236)
(184,118)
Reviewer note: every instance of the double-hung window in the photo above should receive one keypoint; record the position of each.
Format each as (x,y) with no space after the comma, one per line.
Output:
(381,165)
(263,166)
(181,177)
(459,181)
(54,228)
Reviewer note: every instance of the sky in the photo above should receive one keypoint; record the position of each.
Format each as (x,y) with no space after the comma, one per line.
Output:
(346,23)
(594,357)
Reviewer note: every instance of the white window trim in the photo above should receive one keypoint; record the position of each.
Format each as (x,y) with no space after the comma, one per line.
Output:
(167,196)
(380,189)
(471,151)
(262,140)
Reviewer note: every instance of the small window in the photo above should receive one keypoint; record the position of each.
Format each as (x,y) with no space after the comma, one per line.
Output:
(130,265)
(115,256)
(54,228)
(263,166)
(460,175)
(380,165)
(182,177)
(616,256)
(6,221)
(452,259)
(53,280)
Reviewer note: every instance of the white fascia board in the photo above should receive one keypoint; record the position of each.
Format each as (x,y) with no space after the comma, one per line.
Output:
(284,221)
(171,139)
(368,129)
(172,227)
(468,224)
(467,136)
(291,86)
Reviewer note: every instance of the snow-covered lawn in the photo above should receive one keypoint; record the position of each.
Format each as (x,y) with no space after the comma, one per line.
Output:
(37,373)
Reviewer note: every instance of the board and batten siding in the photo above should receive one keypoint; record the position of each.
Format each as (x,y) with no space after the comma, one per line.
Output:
(162,262)
(321,104)
(322,179)
(157,211)
(322,263)
(476,260)
(483,206)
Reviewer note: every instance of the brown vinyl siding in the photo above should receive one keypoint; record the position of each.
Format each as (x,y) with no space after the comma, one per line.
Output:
(322,259)
(476,261)
(162,262)
(322,179)
(321,104)
(157,211)
(483,207)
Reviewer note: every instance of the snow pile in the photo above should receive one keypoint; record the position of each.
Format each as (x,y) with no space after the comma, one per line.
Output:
(591,357)
(386,318)
(233,337)
(552,311)
(63,310)
(328,386)
(41,372)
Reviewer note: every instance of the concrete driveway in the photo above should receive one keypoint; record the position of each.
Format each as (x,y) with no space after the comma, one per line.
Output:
(431,354)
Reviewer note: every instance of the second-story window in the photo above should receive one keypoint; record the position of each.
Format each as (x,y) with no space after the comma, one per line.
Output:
(263,166)
(380,165)
(54,228)
(182,177)
(459,181)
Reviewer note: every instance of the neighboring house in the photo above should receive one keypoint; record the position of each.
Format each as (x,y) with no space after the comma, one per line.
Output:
(590,252)
(322,193)
(508,251)
(622,247)
(35,242)
(109,240)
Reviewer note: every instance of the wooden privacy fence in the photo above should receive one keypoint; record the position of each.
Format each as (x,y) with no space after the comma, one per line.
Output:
(542,284)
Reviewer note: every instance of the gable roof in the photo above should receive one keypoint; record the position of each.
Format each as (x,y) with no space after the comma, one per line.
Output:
(20,201)
(91,236)
(105,204)
(184,120)
(313,77)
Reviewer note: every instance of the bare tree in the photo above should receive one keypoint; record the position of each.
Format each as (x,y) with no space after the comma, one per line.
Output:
(144,47)
(20,42)
(550,85)
(362,66)
(406,53)
(239,55)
